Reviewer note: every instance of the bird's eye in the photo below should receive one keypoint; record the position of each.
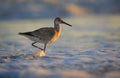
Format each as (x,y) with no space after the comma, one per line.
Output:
(58,19)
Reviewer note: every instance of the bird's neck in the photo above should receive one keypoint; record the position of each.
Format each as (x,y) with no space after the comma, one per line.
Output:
(57,27)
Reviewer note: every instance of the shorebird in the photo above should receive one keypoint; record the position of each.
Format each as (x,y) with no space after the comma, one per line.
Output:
(46,35)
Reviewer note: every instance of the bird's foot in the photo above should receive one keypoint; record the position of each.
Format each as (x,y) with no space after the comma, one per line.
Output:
(40,53)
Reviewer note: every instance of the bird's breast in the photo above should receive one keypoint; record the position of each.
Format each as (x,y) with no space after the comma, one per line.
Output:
(55,36)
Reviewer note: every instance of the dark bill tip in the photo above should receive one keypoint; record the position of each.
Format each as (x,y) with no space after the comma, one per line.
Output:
(66,23)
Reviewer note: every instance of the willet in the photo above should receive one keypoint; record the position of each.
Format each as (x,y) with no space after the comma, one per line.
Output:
(46,35)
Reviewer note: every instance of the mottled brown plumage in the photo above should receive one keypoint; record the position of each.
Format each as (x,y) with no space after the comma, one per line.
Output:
(46,35)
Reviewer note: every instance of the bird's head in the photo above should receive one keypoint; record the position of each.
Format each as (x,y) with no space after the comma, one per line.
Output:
(58,20)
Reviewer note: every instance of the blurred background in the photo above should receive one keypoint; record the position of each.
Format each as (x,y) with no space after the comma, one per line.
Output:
(30,9)
(88,49)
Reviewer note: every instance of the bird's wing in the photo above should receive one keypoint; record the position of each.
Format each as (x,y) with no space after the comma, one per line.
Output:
(44,33)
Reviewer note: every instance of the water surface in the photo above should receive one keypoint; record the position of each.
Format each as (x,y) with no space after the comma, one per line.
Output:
(91,48)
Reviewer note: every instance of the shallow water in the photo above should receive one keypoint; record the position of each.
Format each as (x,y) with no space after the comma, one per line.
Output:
(90,49)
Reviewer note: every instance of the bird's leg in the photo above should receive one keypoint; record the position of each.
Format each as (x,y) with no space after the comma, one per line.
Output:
(45,46)
(36,46)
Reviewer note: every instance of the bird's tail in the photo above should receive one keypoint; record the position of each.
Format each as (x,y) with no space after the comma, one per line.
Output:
(21,33)
(26,33)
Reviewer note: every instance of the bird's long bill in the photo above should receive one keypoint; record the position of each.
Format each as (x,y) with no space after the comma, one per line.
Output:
(66,23)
